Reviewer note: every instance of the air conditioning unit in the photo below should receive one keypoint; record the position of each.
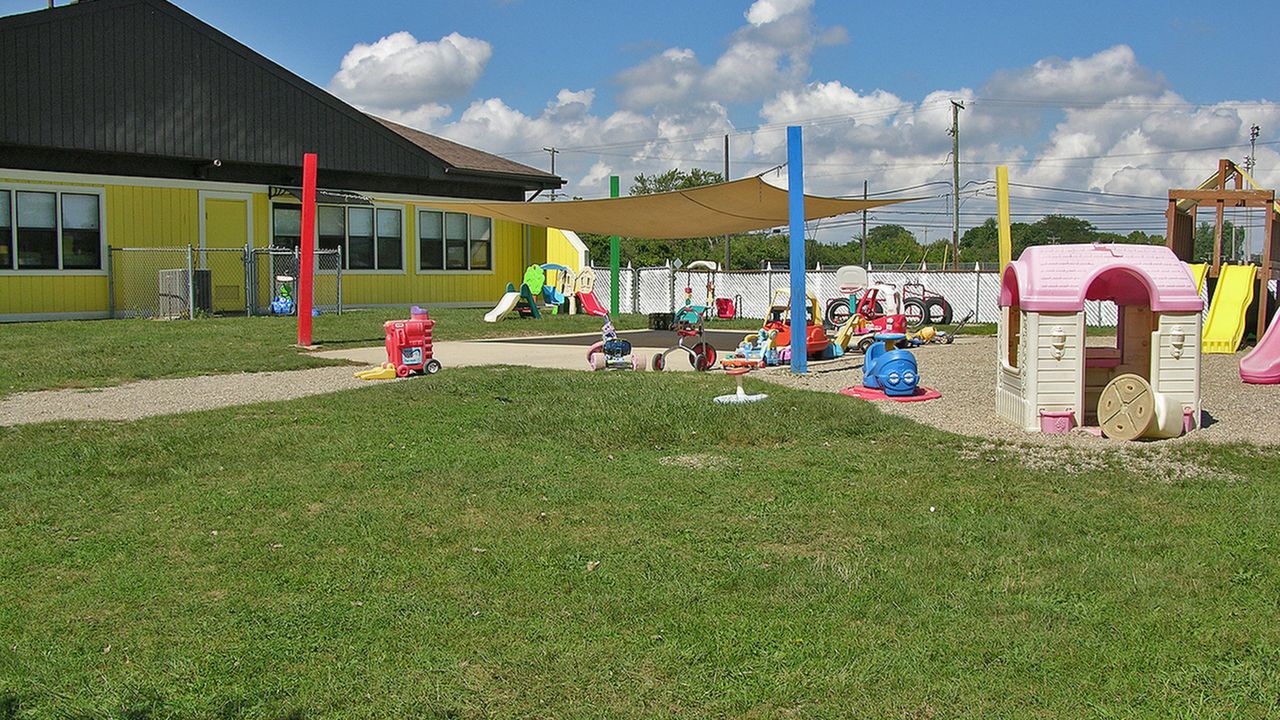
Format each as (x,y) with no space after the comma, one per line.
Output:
(173,287)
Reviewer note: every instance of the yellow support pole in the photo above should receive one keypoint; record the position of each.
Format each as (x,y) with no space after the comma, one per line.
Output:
(1002,203)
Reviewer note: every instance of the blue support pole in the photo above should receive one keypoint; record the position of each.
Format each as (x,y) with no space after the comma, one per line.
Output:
(795,206)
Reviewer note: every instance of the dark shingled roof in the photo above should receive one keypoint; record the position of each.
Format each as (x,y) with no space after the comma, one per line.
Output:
(461,156)
(143,88)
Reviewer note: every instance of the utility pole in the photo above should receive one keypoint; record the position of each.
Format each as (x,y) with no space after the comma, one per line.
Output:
(726,179)
(1248,164)
(956,107)
(554,151)
(864,225)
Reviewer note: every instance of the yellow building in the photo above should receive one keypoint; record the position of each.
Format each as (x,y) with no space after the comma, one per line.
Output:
(180,136)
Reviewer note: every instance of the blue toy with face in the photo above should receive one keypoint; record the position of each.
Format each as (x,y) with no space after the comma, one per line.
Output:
(889,370)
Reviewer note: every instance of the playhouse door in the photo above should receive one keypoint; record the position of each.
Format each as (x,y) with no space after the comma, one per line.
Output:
(226,231)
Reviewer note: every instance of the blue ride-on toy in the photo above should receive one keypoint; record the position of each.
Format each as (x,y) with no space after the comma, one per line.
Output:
(890,369)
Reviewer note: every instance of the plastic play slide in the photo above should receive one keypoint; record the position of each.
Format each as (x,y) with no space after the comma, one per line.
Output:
(1224,329)
(590,304)
(1198,273)
(504,306)
(1262,365)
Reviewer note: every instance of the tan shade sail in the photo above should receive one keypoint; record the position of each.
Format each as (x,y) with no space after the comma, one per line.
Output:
(723,209)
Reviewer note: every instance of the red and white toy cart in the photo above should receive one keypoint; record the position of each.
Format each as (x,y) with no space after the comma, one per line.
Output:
(409,344)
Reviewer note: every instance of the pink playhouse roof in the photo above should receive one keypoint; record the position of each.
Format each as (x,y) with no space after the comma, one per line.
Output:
(1059,278)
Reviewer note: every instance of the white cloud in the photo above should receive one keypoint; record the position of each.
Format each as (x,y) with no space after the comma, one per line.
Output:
(769,54)
(1102,121)
(400,72)
(1106,75)
(762,12)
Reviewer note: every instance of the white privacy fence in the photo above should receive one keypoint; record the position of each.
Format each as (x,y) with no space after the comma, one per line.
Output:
(661,289)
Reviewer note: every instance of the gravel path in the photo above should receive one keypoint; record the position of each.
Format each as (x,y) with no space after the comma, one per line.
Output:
(168,397)
(965,375)
(962,372)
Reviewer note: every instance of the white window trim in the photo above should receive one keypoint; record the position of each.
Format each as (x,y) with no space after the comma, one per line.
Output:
(404,255)
(58,190)
(493,254)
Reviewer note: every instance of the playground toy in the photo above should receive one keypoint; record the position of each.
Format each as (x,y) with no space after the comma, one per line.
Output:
(716,307)
(757,351)
(408,344)
(612,352)
(875,300)
(930,335)
(861,314)
(739,396)
(1046,377)
(688,323)
(890,369)
(557,289)
(560,289)
(779,322)
(1237,286)
(890,372)
(585,294)
(921,306)
(282,303)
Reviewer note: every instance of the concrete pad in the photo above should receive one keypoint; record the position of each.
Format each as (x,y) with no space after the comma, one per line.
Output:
(466,353)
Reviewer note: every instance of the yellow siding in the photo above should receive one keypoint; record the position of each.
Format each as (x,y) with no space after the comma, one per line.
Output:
(152,217)
(139,216)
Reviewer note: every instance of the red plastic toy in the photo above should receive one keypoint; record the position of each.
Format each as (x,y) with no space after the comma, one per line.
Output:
(409,344)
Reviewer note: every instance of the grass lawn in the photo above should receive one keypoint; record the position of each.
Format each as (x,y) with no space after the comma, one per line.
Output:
(109,352)
(518,542)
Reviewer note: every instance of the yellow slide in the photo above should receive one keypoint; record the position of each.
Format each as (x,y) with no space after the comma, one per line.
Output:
(1225,327)
(1198,273)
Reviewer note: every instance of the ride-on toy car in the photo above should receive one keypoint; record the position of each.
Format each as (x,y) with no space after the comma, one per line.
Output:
(816,341)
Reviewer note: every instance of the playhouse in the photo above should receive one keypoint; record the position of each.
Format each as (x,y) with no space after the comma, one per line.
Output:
(1050,379)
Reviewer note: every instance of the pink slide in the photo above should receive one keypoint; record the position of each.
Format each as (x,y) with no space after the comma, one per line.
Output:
(591,305)
(1262,365)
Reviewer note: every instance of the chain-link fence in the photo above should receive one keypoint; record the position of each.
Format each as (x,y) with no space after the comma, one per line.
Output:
(186,282)
(272,268)
(661,289)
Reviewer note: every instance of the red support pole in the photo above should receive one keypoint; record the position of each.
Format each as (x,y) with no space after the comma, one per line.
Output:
(308,255)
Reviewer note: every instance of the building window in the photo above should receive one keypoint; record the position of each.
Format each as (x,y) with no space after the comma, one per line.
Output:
(81,232)
(481,255)
(286,226)
(390,250)
(370,238)
(6,231)
(50,230)
(454,241)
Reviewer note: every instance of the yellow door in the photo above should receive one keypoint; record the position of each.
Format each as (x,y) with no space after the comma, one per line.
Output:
(225,229)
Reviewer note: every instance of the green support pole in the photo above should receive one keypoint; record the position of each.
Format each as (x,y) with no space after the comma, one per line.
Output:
(615,256)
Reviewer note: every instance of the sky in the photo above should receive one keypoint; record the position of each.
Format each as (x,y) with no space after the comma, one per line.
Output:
(1108,104)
